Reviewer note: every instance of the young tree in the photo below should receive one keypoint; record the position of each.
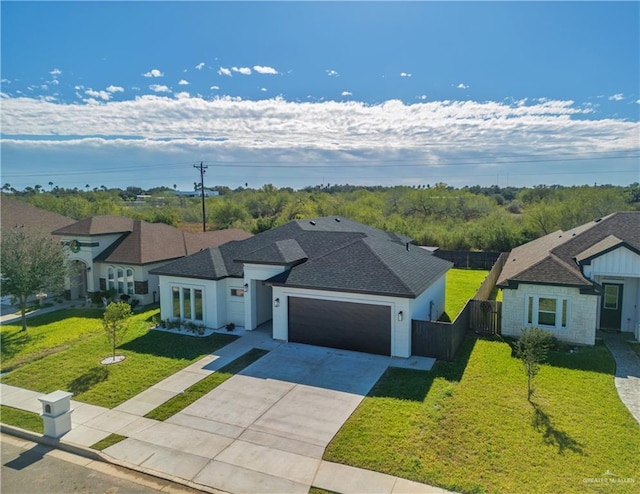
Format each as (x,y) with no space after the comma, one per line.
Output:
(532,348)
(30,263)
(115,323)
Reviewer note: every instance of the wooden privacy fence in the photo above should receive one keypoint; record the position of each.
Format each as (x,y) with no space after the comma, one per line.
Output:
(485,316)
(468,259)
(438,339)
(441,340)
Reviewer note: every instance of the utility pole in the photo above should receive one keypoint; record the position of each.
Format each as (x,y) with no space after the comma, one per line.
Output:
(202,169)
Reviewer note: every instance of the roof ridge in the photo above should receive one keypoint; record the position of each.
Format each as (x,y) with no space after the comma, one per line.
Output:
(402,282)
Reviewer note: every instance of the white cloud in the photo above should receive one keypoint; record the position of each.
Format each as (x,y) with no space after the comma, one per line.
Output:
(183,82)
(429,133)
(200,66)
(405,74)
(616,97)
(242,70)
(115,89)
(332,73)
(638,101)
(153,73)
(215,88)
(261,69)
(462,86)
(182,95)
(224,71)
(263,89)
(159,88)
(422,97)
(103,95)
(55,72)
(55,82)
(346,93)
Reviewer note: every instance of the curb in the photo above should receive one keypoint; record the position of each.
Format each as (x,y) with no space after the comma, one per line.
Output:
(94,455)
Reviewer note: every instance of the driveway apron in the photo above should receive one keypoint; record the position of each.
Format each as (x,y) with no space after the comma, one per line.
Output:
(265,429)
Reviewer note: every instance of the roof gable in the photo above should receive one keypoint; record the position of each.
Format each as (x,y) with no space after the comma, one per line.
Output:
(562,251)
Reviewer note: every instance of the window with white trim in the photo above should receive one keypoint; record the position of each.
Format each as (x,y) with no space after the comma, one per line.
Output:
(187,303)
(547,311)
(120,279)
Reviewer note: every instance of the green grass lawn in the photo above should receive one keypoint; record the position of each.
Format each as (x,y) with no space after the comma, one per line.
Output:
(462,285)
(28,421)
(46,334)
(467,425)
(63,350)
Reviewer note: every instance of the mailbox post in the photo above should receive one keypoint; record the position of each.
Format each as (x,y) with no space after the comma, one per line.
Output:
(56,413)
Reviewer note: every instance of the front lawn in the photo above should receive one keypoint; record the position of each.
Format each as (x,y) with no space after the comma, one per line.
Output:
(74,365)
(467,425)
(462,285)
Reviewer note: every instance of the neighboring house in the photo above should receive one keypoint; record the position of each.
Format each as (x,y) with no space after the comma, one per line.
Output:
(328,282)
(18,214)
(572,283)
(114,252)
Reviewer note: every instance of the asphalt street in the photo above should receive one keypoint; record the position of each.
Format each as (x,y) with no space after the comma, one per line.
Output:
(33,468)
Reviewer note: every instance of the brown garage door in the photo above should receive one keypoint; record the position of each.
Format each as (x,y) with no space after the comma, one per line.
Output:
(346,325)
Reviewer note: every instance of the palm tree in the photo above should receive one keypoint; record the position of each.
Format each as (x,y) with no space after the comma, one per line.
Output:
(51,185)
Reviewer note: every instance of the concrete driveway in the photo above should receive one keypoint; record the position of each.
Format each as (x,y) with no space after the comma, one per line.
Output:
(264,430)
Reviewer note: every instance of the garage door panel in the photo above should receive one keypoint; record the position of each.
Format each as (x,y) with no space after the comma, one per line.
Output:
(345,325)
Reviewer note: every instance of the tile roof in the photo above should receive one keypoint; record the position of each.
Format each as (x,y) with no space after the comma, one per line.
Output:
(18,213)
(323,253)
(555,258)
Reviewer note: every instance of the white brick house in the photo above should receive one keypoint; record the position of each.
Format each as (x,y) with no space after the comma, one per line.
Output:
(573,283)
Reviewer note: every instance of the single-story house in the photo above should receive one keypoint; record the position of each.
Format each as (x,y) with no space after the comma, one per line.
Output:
(114,252)
(572,283)
(326,281)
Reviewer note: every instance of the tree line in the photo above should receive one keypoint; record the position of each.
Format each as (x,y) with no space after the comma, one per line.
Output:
(469,218)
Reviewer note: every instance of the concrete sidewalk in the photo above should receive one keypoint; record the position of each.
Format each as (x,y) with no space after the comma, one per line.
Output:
(188,451)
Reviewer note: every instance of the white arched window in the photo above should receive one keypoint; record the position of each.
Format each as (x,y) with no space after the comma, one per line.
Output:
(121,280)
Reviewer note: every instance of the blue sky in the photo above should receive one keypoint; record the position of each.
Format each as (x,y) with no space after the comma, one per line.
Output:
(301,93)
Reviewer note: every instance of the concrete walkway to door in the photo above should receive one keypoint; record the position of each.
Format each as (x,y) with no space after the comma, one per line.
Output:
(627,377)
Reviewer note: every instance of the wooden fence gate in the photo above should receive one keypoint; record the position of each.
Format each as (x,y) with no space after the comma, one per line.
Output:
(485,316)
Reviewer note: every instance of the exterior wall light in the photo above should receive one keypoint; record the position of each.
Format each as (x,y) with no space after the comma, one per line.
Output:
(246,287)
(400,316)
(276,302)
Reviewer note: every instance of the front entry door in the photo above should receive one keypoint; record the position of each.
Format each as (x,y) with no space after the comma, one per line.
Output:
(611,308)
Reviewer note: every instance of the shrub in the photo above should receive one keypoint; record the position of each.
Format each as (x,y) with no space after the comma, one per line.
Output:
(532,348)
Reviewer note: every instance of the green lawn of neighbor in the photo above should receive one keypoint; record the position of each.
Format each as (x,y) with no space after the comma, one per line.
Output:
(467,425)
(63,350)
(462,285)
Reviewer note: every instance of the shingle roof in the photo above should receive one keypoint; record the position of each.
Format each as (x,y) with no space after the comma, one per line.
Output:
(323,253)
(144,243)
(16,213)
(556,258)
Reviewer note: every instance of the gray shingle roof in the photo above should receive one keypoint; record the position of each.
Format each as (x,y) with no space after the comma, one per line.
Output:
(555,258)
(324,254)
